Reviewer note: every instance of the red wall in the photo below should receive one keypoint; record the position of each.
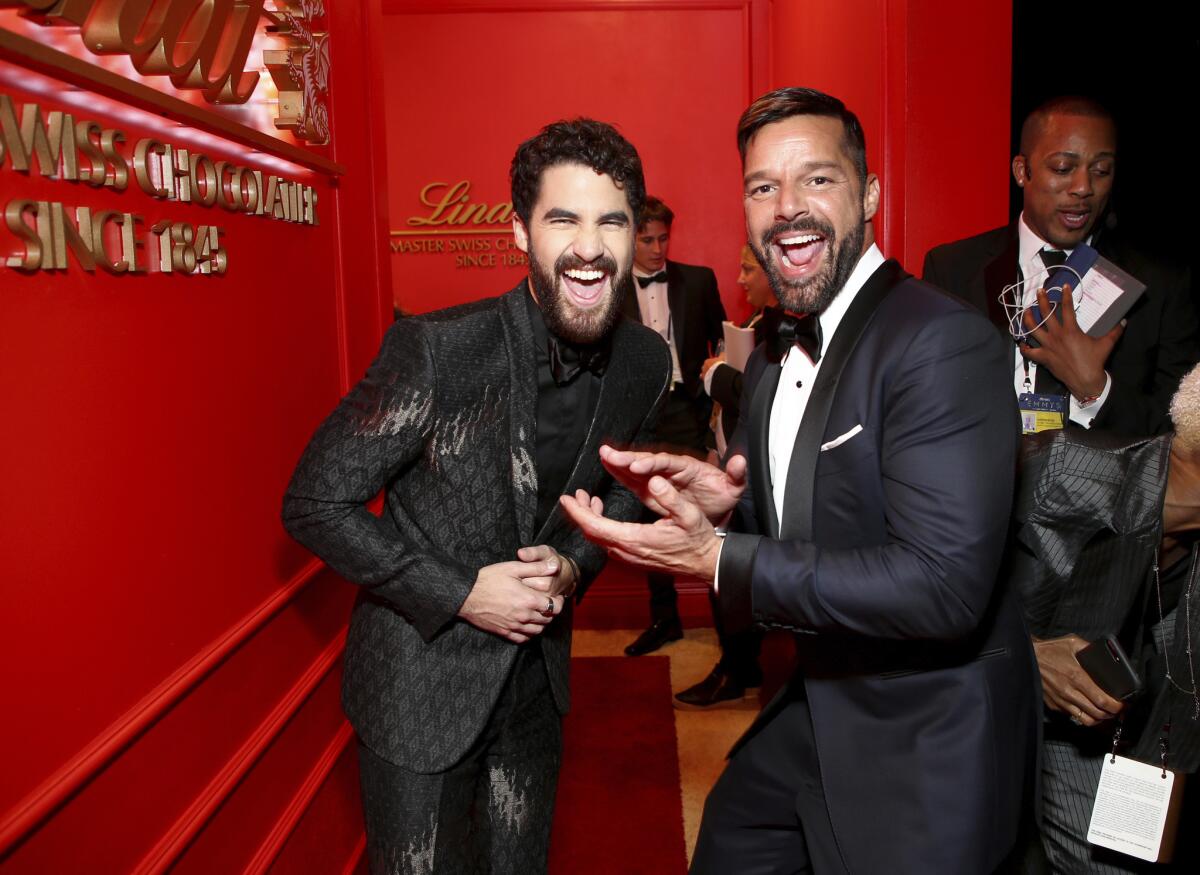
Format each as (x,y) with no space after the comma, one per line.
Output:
(930,81)
(465,86)
(170,658)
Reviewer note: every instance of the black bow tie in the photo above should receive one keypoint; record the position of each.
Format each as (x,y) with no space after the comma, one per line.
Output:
(660,277)
(567,360)
(786,330)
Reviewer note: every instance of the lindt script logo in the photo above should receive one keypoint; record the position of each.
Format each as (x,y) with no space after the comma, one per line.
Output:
(206,46)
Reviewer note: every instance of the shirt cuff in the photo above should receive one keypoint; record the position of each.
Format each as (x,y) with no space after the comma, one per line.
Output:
(1084,414)
(708,377)
(717,573)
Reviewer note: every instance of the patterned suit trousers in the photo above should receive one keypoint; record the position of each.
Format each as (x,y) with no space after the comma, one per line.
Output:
(490,813)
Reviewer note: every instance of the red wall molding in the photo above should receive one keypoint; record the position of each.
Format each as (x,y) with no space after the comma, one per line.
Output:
(168,848)
(68,780)
(356,856)
(269,850)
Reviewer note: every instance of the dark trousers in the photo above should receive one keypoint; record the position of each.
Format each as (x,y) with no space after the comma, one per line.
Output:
(489,813)
(766,815)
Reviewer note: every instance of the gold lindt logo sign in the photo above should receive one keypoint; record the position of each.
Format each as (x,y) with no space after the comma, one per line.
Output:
(481,232)
(204,45)
(201,46)
(450,205)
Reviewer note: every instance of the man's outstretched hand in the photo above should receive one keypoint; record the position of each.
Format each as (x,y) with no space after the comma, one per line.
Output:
(712,491)
(682,542)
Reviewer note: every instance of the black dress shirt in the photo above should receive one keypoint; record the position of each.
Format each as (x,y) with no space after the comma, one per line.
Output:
(563,416)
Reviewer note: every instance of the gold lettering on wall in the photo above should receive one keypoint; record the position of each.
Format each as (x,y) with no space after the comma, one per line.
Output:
(204,45)
(451,205)
(475,233)
(53,236)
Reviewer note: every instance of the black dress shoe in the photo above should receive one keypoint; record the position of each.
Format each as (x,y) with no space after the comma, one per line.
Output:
(719,690)
(659,633)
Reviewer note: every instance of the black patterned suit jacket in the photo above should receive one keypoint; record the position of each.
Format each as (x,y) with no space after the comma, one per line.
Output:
(444,423)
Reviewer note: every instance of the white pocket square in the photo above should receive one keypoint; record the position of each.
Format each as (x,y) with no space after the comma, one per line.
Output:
(841,439)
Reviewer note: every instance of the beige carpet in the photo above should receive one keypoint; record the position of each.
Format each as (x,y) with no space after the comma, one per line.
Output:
(703,737)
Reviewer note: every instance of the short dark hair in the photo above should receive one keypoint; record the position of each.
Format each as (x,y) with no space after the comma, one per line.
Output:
(784,103)
(655,211)
(579,141)
(1069,104)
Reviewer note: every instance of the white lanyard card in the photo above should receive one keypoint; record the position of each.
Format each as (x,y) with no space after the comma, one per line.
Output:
(1136,809)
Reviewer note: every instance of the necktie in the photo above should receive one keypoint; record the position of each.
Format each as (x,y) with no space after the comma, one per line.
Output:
(792,329)
(1053,258)
(1045,381)
(568,360)
(660,277)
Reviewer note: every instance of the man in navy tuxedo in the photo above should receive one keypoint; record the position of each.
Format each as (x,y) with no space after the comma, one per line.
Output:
(868,492)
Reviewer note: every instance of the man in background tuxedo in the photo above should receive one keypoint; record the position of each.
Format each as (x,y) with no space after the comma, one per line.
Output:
(869,486)
(681,302)
(473,421)
(1121,382)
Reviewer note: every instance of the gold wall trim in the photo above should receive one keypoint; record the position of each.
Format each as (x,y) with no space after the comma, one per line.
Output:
(34,55)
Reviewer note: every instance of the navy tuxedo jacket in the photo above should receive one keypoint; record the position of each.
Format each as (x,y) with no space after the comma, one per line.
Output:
(917,668)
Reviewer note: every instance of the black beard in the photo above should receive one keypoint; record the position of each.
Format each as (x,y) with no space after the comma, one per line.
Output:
(815,293)
(561,317)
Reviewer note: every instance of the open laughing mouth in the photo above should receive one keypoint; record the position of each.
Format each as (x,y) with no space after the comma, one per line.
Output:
(1075,220)
(800,254)
(585,287)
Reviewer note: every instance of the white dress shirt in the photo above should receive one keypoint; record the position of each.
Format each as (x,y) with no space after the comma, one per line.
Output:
(798,375)
(655,309)
(1029,247)
(796,381)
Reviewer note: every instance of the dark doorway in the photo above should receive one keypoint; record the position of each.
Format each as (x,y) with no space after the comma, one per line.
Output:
(1142,61)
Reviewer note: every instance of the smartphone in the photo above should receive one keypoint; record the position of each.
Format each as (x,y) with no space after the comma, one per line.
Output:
(1107,664)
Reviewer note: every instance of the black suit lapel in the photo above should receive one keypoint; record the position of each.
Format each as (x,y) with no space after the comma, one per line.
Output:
(1001,271)
(759,450)
(798,497)
(677,303)
(522,408)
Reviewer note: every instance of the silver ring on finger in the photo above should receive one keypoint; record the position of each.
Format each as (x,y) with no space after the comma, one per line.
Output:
(548,611)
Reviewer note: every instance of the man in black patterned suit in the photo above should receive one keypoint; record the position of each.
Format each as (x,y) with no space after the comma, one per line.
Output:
(473,420)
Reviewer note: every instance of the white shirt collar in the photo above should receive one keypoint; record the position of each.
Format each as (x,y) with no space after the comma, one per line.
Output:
(1029,244)
(637,271)
(832,317)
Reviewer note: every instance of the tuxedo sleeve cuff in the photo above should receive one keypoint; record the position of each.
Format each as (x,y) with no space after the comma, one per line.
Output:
(735,568)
